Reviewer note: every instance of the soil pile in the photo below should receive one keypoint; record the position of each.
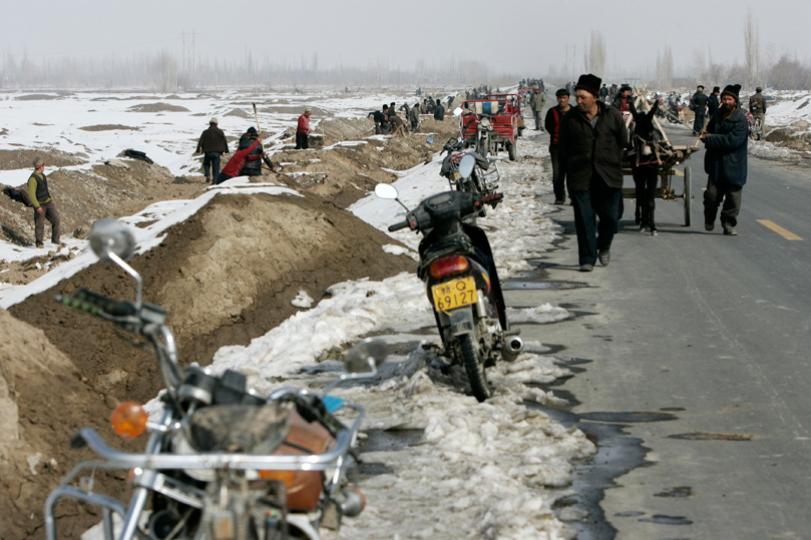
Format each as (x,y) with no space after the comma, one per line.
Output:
(343,174)
(37,423)
(109,127)
(24,159)
(118,187)
(158,107)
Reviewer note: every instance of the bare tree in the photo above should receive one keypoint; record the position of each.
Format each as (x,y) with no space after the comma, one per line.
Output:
(594,54)
(664,67)
(751,40)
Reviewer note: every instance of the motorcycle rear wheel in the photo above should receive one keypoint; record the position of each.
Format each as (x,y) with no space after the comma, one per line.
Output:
(474,368)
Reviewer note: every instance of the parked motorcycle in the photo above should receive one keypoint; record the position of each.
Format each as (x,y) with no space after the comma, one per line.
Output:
(457,266)
(222,461)
(483,179)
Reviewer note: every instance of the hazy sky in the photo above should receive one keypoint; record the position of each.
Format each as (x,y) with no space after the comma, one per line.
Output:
(519,36)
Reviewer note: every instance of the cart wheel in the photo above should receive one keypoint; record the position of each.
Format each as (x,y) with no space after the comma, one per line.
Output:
(511,150)
(688,197)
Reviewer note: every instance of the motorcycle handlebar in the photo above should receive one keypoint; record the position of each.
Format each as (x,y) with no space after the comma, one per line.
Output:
(398,226)
(97,304)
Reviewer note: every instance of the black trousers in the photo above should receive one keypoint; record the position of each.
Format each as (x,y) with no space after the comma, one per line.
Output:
(698,122)
(302,141)
(52,216)
(601,202)
(558,175)
(730,195)
(646,180)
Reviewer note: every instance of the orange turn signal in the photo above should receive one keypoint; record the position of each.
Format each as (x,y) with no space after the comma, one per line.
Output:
(288,478)
(129,419)
(448,266)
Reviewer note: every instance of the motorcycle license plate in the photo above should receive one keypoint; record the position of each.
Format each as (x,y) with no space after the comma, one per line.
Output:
(455,293)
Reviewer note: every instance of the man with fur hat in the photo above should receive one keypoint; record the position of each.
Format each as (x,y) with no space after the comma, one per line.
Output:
(303,130)
(212,144)
(592,138)
(726,140)
(41,201)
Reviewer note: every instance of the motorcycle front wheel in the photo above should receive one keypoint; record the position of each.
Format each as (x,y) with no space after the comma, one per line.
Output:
(474,367)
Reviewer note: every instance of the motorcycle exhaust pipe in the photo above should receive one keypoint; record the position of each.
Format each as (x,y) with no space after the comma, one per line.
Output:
(513,345)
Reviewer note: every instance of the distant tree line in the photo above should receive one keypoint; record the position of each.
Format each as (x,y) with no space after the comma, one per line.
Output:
(167,72)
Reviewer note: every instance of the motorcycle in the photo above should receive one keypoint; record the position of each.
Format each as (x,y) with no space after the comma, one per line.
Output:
(461,279)
(479,181)
(222,461)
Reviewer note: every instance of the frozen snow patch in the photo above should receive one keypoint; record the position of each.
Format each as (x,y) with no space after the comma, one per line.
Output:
(302,300)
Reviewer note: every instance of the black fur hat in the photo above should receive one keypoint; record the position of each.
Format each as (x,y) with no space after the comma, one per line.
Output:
(590,83)
(716,89)
(733,90)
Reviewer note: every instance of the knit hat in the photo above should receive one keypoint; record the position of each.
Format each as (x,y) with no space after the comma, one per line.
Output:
(213,120)
(252,131)
(732,90)
(562,92)
(590,83)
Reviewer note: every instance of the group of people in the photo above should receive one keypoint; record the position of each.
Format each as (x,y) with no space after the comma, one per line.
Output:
(250,154)
(387,121)
(587,147)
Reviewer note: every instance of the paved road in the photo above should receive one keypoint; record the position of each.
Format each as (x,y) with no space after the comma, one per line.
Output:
(716,330)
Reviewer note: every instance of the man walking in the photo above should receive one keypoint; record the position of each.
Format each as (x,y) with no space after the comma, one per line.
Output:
(726,140)
(414,117)
(713,102)
(303,130)
(698,104)
(757,106)
(212,144)
(439,111)
(44,207)
(554,118)
(536,102)
(592,137)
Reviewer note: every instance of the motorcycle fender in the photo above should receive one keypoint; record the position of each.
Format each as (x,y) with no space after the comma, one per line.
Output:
(459,322)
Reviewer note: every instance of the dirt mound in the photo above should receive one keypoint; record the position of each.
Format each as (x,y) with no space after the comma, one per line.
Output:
(239,113)
(109,127)
(120,187)
(24,159)
(37,423)
(342,129)
(157,107)
(38,97)
(343,174)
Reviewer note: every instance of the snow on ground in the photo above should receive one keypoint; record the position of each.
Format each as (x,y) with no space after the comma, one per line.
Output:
(481,468)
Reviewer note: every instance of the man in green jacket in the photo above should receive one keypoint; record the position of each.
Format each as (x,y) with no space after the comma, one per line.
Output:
(44,207)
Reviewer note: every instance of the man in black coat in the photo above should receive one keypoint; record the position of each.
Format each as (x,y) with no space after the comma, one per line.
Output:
(698,104)
(212,144)
(554,118)
(713,102)
(592,138)
(726,142)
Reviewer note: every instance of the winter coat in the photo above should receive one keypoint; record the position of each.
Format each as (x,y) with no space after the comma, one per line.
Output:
(303,124)
(698,103)
(439,112)
(554,117)
(213,140)
(586,151)
(414,116)
(38,189)
(757,104)
(726,142)
(253,161)
(537,101)
(713,104)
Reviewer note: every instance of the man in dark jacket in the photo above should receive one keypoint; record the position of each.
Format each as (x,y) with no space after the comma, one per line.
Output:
(592,138)
(212,144)
(713,102)
(439,111)
(44,207)
(698,104)
(414,117)
(726,140)
(554,118)
(757,106)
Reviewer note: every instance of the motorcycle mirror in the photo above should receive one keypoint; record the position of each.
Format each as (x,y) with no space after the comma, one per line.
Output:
(466,165)
(386,191)
(457,111)
(364,357)
(111,236)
